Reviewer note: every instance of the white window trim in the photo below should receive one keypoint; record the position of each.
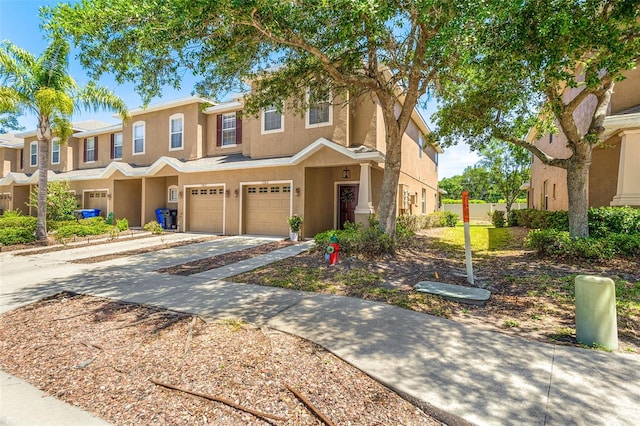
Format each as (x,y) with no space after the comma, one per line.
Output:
(121,146)
(53,142)
(263,123)
(173,117)
(307,125)
(133,138)
(86,148)
(31,145)
(235,128)
(174,189)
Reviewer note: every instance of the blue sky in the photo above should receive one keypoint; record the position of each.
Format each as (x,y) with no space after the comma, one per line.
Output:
(19,23)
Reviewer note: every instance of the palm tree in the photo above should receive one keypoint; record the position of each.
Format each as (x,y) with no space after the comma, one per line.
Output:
(43,87)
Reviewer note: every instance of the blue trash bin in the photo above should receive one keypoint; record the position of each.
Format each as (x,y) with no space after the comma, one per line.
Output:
(160,217)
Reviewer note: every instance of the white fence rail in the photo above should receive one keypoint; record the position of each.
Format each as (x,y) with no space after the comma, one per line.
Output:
(481,212)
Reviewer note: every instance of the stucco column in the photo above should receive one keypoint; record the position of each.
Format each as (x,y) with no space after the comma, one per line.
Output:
(365,203)
(628,190)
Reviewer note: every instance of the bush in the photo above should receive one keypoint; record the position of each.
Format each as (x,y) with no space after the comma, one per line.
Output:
(559,243)
(153,227)
(542,219)
(61,202)
(449,219)
(512,219)
(617,220)
(9,236)
(83,227)
(497,218)
(122,224)
(17,221)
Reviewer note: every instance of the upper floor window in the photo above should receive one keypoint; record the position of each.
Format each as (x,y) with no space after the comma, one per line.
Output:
(420,145)
(90,150)
(33,154)
(116,146)
(229,129)
(320,109)
(272,120)
(138,138)
(175,131)
(55,151)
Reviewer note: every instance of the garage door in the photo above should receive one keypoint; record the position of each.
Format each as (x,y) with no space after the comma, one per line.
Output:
(266,208)
(96,200)
(205,209)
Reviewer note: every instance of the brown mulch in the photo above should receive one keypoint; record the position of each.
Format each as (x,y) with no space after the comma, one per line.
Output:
(52,244)
(219,261)
(106,357)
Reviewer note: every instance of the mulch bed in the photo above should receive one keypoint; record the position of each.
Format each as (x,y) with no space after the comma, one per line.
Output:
(119,361)
(202,265)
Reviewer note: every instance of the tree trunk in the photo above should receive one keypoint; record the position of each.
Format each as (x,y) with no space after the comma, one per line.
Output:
(389,199)
(44,136)
(577,185)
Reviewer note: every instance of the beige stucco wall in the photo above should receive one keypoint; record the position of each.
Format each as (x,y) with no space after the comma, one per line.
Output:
(626,92)
(603,174)
(126,200)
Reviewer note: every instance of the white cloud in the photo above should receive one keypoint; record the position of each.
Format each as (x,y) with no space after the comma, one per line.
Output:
(455,159)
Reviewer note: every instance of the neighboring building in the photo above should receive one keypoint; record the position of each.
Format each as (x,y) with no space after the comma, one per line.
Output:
(614,175)
(225,173)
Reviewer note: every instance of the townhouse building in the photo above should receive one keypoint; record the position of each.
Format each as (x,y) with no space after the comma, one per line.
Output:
(221,171)
(614,175)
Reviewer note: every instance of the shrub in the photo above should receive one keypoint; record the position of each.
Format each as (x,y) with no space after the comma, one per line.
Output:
(449,219)
(122,224)
(618,220)
(9,236)
(18,221)
(83,227)
(542,219)
(61,202)
(497,218)
(559,243)
(512,218)
(153,227)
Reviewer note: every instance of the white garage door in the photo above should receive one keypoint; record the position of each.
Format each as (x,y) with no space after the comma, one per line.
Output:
(96,200)
(205,209)
(266,208)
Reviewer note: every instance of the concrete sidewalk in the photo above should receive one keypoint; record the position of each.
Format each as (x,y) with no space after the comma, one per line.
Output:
(483,377)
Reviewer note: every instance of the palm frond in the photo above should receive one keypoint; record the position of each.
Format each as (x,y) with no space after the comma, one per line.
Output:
(16,65)
(51,101)
(93,97)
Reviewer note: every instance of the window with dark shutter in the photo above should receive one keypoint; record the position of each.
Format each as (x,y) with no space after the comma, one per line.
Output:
(112,149)
(219,130)
(84,151)
(238,130)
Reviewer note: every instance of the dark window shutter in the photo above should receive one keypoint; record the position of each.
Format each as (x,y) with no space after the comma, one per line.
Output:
(113,146)
(238,130)
(219,130)
(95,149)
(84,151)
(22,159)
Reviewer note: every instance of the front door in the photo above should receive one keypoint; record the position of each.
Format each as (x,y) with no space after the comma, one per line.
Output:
(347,201)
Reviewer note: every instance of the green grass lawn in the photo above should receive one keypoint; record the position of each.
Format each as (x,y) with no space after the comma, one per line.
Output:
(483,237)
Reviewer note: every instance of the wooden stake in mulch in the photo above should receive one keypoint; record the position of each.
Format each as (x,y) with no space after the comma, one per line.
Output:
(220,399)
(311,406)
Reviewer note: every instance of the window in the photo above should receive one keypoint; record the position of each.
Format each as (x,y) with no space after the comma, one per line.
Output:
(420,145)
(33,154)
(55,151)
(172,196)
(90,150)
(116,146)
(320,109)
(138,138)
(272,120)
(424,201)
(228,129)
(545,195)
(175,132)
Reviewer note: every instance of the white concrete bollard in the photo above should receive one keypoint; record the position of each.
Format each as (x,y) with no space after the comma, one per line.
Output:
(596,319)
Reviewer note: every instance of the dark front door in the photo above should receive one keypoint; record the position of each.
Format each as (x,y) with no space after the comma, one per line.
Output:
(347,201)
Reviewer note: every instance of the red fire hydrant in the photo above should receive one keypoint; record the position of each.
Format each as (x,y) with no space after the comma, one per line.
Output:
(332,250)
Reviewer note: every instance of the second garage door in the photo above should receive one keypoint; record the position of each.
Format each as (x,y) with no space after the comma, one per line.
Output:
(96,200)
(266,208)
(205,209)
